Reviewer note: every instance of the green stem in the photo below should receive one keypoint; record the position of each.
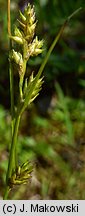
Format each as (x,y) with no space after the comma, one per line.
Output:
(10,65)
(11,164)
(11,94)
(50,50)
(11,87)
(8,18)
(7,189)
(13,145)
(11,77)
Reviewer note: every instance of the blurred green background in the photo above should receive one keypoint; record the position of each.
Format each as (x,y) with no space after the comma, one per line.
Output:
(52,130)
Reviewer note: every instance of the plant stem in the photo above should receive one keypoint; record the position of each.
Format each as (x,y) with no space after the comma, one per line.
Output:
(11,77)
(11,92)
(13,145)
(10,66)
(55,42)
(7,189)
(11,80)
(11,164)
(8,18)
(50,50)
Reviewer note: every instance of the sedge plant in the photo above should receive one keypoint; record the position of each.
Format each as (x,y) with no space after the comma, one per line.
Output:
(23,44)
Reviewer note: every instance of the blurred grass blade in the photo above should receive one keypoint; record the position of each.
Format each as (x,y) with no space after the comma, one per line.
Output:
(64,107)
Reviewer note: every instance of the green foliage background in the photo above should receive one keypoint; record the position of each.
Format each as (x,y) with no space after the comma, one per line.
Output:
(52,129)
